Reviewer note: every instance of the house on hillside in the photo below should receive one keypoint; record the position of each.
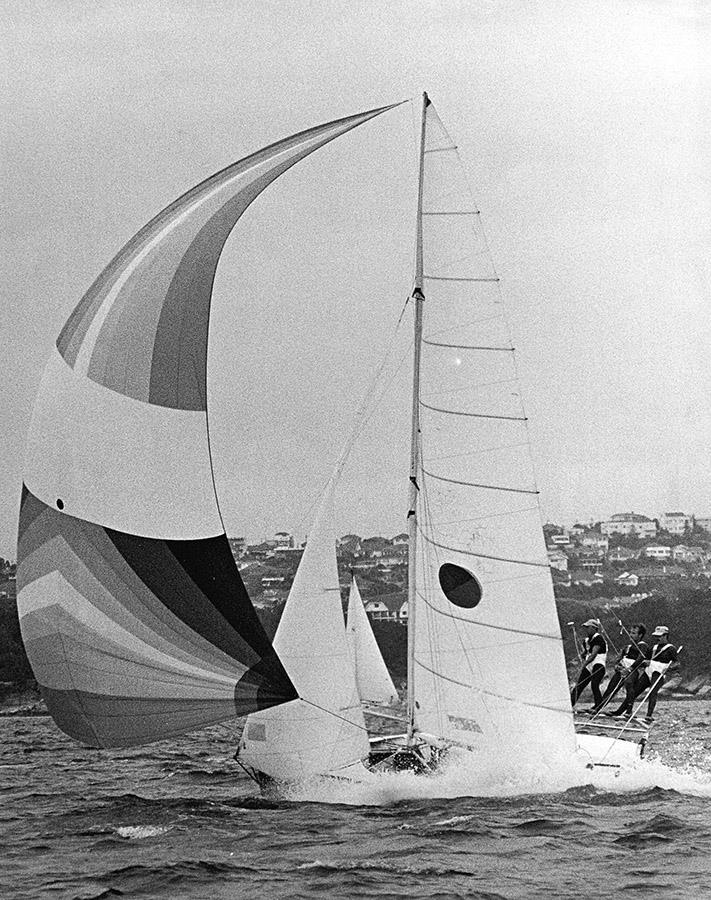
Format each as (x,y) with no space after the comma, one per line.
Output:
(595,542)
(657,551)
(630,523)
(388,607)
(375,547)
(684,554)
(621,554)
(363,565)
(628,579)
(558,560)
(586,578)
(238,545)
(651,574)
(675,522)
(349,543)
(265,550)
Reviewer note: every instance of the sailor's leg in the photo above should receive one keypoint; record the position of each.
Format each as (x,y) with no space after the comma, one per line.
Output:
(583,681)
(610,689)
(627,705)
(641,685)
(657,682)
(598,673)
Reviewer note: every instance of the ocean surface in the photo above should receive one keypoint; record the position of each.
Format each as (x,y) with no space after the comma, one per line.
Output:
(178,820)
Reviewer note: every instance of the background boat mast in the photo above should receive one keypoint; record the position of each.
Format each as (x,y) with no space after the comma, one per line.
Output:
(418,297)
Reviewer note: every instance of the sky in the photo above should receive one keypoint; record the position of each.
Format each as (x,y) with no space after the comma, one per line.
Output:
(584,131)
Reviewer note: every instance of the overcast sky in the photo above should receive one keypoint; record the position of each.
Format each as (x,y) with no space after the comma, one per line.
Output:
(584,128)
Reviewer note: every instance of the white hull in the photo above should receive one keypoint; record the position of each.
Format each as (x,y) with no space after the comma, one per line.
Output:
(600,750)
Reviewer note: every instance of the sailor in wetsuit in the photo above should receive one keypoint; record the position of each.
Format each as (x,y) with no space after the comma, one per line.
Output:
(662,656)
(593,670)
(628,671)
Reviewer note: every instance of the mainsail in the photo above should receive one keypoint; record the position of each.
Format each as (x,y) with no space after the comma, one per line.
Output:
(372,676)
(323,733)
(488,666)
(133,614)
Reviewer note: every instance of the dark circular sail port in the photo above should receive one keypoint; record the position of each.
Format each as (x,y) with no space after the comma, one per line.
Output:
(460,587)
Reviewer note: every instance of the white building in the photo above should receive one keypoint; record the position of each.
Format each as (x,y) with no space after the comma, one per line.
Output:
(594,541)
(675,522)
(558,560)
(629,523)
(681,553)
(629,579)
(658,551)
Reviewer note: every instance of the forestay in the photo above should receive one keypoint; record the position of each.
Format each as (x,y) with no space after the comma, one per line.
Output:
(489,671)
(323,733)
(133,614)
(372,676)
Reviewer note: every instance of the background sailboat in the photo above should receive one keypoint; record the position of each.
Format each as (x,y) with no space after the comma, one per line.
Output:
(372,677)
(324,733)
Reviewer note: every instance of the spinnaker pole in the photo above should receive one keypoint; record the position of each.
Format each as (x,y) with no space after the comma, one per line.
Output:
(418,298)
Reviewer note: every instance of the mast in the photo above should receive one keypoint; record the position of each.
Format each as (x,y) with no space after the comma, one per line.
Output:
(418,297)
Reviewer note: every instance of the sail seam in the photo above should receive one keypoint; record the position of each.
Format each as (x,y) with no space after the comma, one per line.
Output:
(472,415)
(469,347)
(479,690)
(446,212)
(493,278)
(441,149)
(519,562)
(499,515)
(441,612)
(488,487)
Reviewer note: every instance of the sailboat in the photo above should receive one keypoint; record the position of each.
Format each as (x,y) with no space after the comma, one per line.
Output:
(375,685)
(133,613)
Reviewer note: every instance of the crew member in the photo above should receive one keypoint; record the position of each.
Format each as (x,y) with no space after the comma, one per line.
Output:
(662,656)
(628,670)
(593,670)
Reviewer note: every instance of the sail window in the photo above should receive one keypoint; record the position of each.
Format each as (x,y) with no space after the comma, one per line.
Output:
(460,587)
(60,504)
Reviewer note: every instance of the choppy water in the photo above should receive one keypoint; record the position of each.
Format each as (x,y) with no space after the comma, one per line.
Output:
(177,820)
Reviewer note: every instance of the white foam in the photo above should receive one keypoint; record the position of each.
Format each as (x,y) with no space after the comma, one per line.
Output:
(465,776)
(136,832)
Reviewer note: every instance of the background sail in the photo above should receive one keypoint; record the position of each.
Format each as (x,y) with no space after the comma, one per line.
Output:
(372,676)
(326,734)
(489,666)
(135,619)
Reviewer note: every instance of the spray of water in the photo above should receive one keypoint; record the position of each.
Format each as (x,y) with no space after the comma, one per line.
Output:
(466,776)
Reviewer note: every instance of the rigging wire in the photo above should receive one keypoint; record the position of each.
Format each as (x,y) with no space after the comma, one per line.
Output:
(363,413)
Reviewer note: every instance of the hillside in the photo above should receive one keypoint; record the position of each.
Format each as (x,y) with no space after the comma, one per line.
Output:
(688,618)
